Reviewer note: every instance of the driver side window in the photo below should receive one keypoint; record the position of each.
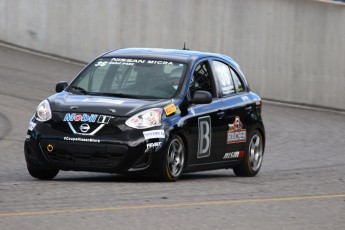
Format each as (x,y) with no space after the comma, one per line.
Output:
(201,79)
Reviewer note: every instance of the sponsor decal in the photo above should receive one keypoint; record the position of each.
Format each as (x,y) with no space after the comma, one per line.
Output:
(101,63)
(124,61)
(91,118)
(154,134)
(102,119)
(81,139)
(80,117)
(237,154)
(127,61)
(204,142)
(159,62)
(31,126)
(236,134)
(170,109)
(153,145)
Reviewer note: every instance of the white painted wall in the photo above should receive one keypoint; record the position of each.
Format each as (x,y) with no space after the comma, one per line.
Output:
(290,50)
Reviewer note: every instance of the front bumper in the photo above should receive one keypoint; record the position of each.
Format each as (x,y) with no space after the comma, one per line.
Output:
(127,151)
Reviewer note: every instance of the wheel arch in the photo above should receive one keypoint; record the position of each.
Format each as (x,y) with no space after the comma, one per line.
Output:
(179,132)
(260,127)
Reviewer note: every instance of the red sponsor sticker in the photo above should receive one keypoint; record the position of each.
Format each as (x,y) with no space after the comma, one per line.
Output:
(235,133)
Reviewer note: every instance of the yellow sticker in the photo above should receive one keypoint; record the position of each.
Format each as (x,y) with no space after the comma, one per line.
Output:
(170,109)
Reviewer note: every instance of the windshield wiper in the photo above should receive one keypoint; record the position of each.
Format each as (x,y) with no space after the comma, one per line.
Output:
(80,89)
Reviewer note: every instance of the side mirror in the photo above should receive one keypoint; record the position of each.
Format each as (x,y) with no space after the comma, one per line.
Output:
(61,86)
(202,97)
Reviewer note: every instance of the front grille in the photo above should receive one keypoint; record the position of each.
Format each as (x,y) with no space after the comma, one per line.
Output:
(100,159)
(84,154)
(63,126)
(109,129)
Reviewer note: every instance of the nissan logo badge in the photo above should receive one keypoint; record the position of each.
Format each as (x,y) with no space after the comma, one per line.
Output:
(84,127)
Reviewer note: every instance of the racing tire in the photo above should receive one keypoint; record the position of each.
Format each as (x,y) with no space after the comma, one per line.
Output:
(254,152)
(43,174)
(173,162)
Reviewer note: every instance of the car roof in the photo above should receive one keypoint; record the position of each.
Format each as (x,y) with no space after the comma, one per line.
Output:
(165,54)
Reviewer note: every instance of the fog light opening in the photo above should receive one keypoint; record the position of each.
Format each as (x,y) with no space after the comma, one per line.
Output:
(50,148)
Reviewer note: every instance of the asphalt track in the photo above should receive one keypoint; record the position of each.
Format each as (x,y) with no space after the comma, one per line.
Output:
(301,184)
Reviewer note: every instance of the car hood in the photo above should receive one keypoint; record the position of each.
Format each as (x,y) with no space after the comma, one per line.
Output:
(71,103)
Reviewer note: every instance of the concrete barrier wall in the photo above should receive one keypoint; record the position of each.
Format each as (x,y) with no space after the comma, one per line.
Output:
(290,50)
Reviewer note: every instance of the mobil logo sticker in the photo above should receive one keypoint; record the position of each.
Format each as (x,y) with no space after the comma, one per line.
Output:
(91,118)
(80,117)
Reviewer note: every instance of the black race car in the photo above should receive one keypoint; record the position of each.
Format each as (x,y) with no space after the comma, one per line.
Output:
(149,112)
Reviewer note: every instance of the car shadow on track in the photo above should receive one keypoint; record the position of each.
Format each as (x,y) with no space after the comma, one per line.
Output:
(141,179)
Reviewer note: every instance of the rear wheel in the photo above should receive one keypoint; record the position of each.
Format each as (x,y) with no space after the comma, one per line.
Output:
(254,152)
(173,162)
(43,174)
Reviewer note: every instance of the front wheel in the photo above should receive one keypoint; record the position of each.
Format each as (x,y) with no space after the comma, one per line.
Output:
(43,174)
(254,152)
(173,162)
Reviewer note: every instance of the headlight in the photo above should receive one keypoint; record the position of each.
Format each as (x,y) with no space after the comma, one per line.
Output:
(146,119)
(44,112)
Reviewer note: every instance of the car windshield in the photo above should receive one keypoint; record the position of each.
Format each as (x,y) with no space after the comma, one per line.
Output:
(132,78)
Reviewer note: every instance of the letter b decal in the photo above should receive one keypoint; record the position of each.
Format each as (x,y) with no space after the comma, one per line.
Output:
(204,145)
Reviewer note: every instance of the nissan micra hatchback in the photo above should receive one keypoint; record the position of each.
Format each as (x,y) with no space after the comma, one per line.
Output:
(150,112)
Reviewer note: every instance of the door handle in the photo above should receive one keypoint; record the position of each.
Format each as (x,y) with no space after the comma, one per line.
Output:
(220,114)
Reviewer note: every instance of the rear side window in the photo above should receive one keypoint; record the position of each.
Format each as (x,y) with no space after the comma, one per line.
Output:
(238,84)
(228,79)
(223,74)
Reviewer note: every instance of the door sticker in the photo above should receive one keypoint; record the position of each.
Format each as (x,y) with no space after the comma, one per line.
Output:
(204,142)
(236,134)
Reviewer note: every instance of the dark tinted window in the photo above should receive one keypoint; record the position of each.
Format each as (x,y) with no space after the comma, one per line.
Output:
(201,79)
